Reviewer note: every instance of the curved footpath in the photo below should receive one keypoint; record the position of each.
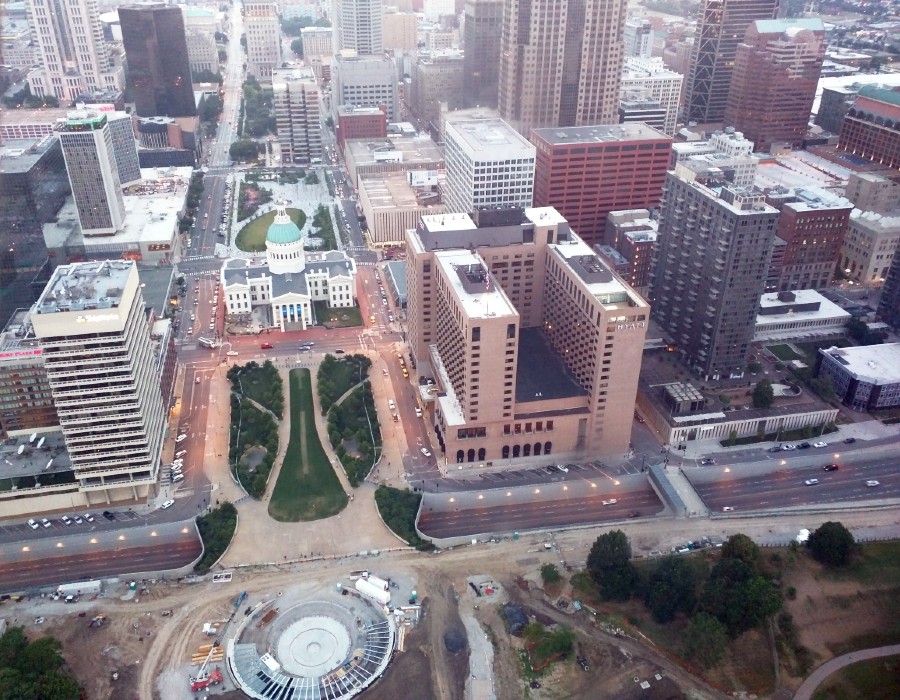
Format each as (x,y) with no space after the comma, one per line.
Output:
(821,674)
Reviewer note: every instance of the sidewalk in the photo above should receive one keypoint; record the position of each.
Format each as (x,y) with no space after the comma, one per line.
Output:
(821,674)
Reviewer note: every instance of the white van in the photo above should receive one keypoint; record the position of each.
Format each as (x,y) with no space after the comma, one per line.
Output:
(177,478)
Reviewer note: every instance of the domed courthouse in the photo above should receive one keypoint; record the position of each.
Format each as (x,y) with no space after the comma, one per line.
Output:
(289,280)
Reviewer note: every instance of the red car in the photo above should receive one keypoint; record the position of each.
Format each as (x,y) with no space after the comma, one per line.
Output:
(266,346)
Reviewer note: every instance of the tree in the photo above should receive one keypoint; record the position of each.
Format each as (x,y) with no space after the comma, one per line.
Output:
(823,386)
(609,563)
(550,574)
(672,589)
(210,108)
(207,76)
(739,597)
(763,395)
(754,367)
(35,670)
(297,47)
(741,547)
(704,640)
(832,544)
(856,328)
(243,150)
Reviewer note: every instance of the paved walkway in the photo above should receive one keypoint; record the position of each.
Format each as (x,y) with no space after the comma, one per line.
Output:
(821,674)
(259,538)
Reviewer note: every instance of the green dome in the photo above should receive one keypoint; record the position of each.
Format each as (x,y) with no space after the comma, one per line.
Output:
(283,230)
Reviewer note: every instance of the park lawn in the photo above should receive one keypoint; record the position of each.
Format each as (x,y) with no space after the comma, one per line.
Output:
(344,317)
(783,352)
(252,238)
(307,487)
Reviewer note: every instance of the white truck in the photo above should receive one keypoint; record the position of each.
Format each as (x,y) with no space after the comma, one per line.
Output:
(373,591)
(80,588)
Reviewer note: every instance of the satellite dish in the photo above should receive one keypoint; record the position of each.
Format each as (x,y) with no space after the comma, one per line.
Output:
(33,437)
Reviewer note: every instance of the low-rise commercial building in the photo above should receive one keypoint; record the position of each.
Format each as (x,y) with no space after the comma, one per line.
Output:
(391,154)
(394,202)
(865,378)
(801,314)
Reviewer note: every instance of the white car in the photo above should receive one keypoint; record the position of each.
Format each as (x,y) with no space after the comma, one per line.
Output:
(425,452)
(811,482)
(563,468)
(181,438)
(32,524)
(66,520)
(177,478)
(610,502)
(232,353)
(820,444)
(418,412)
(727,509)
(873,482)
(180,454)
(391,404)
(78,520)
(167,504)
(788,448)
(45,522)
(88,517)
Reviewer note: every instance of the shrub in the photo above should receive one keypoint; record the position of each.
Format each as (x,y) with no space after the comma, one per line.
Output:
(398,508)
(217,528)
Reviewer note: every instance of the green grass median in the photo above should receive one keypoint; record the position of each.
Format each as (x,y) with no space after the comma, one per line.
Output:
(307,487)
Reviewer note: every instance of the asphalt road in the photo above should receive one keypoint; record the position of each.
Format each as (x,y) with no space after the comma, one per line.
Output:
(527,516)
(77,557)
(786,487)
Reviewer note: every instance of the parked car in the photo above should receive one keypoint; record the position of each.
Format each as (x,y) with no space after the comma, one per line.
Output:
(849,440)
(66,520)
(820,444)
(788,448)
(78,520)
(88,517)
(425,452)
(109,516)
(707,461)
(727,509)
(803,446)
(167,504)
(45,522)
(32,524)
(563,468)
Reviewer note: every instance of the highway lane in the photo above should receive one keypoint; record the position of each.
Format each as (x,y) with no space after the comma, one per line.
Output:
(528,516)
(42,571)
(785,488)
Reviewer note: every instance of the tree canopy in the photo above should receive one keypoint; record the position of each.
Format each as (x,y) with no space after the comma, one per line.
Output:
(763,394)
(741,547)
(243,150)
(738,596)
(34,670)
(704,640)
(609,563)
(832,544)
(672,589)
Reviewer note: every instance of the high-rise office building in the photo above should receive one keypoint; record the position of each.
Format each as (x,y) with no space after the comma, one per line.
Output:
(889,304)
(34,186)
(585,172)
(296,100)
(436,79)
(528,336)
(98,356)
(488,164)
(560,62)
(365,81)
(776,71)
(638,38)
(125,151)
(481,52)
(713,250)
(357,26)
(159,70)
(399,30)
(723,25)
(263,32)
(650,77)
(91,163)
(74,59)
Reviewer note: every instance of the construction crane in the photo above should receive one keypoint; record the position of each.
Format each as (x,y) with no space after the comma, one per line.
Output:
(204,677)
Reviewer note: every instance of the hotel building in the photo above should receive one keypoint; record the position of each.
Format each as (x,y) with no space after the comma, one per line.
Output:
(526,344)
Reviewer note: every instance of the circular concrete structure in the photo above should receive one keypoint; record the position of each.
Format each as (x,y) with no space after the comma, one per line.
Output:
(313,646)
(330,647)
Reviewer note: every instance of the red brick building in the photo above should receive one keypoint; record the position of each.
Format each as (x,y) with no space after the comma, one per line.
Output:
(360,123)
(871,129)
(813,224)
(585,172)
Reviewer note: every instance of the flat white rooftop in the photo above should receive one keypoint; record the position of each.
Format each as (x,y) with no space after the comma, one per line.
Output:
(437,223)
(87,285)
(391,191)
(874,364)
(489,139)
(480,296)
(545,216)
(827,309)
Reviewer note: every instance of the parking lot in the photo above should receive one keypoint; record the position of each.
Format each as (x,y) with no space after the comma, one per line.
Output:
(542,475)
